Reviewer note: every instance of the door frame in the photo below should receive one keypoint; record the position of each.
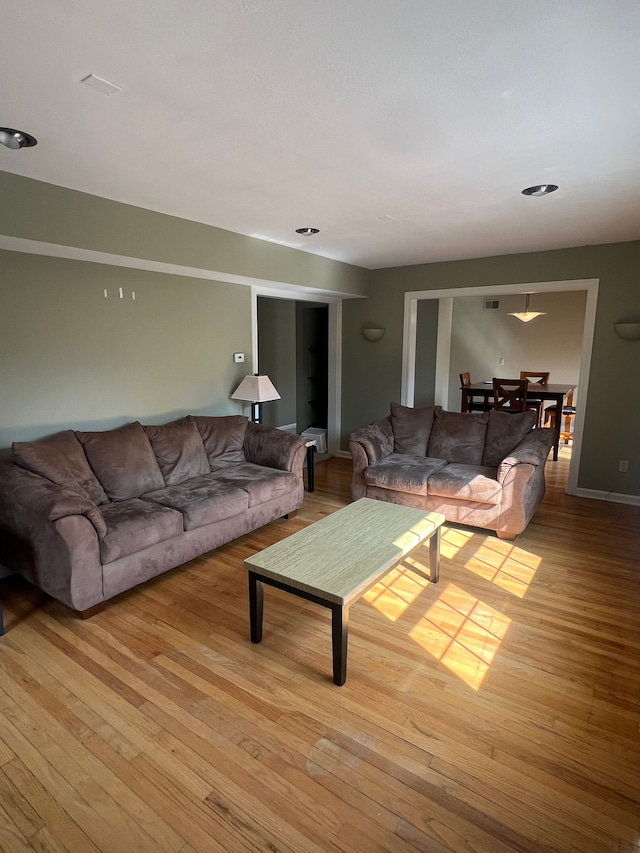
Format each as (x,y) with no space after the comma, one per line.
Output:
(443,347)
(334,390)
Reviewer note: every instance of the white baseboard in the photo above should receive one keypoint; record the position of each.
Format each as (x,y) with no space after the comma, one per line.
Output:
(343,454)
(289,428)
(611,497)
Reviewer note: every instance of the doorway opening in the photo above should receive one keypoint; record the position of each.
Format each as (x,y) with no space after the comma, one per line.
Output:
(443,345)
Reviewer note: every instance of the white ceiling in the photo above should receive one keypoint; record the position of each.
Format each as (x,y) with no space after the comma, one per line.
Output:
(405,131)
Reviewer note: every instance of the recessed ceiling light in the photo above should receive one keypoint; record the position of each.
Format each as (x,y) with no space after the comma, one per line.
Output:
(16,138)
(541,189)
(307,231)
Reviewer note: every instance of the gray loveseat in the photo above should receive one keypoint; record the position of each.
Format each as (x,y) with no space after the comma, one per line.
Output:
(87,515)
(481,469)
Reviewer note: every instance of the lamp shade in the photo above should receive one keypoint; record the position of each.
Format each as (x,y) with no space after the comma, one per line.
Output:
(256,389)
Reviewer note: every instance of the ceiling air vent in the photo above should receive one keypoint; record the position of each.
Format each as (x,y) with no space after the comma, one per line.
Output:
(491,304)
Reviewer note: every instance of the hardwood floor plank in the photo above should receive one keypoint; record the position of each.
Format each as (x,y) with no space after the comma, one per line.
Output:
(495,712)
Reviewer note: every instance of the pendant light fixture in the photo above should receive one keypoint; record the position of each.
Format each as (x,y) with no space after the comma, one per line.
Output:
(526,316)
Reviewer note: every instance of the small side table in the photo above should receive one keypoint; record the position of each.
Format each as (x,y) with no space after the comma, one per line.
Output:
(312,445)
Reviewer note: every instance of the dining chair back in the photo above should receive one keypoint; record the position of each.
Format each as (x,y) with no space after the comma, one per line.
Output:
(510,395)
(481,405)
(540,377)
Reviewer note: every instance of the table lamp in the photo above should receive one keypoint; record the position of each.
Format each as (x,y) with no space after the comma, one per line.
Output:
(256,390)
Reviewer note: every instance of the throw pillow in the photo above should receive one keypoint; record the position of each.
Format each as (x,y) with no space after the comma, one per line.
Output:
(504,432)
(60,459)
(123,461)
(458,437)
(179,450)
(412,428)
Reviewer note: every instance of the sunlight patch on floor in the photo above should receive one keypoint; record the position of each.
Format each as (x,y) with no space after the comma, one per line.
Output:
(453,541)
(463,633)
(505,565)
(399,589)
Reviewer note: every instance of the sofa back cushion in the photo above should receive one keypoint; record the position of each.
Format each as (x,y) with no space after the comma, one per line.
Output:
(179,450)
(60,458)
(504,432)
(411,428)
(458,436)
(123,461)
(223,439)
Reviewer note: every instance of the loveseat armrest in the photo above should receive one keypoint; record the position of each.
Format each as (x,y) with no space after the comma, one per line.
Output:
(275,448)
(368,445)
(376,440)
(532,450)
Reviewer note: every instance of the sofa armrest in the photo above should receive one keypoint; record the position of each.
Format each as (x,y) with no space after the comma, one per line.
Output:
(376,439)
(22,489)
(50,536)
(275,448)
(532,450)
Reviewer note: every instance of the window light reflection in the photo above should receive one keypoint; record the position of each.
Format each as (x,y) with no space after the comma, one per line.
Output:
(463,633)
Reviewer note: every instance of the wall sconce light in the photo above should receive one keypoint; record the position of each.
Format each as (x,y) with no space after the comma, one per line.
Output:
(627,331)
(373,333)
(256,390)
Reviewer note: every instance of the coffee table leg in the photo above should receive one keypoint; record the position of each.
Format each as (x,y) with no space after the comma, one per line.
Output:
(434,557)
(339,637)
(256,607)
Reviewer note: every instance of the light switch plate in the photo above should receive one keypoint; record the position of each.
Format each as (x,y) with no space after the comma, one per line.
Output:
(238,357)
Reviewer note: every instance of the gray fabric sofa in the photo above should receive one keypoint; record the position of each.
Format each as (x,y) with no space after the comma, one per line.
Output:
(481,469)
(88,515)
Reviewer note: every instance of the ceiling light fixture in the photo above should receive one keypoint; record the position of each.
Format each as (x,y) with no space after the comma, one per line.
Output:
(526,316)
(307,231)
(541,189)
(16,139)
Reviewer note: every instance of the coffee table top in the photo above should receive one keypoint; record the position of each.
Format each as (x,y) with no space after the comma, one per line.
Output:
(341,556)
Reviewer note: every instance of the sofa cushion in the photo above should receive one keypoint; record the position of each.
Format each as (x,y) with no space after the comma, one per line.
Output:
(123,461)
(179,450)
(134,525)
(201,500)
(60,458)
(466,482)
(403,472)
(223,438)
(260,483)
(505,432)
(412,428)
(458,436)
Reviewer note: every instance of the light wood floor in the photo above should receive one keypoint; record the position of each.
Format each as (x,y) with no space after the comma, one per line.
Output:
(496,711)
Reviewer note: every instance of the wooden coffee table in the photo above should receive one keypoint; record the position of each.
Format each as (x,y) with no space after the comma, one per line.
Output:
(336,560)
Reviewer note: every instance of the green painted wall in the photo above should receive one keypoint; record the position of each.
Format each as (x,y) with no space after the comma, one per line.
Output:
(38,211)
(372,372)
(70,357)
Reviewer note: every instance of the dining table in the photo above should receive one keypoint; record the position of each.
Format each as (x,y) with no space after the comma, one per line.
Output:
(553,393)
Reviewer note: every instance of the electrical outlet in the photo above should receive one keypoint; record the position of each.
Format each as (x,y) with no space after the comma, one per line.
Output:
(238,358)
(501,362)
(623,467)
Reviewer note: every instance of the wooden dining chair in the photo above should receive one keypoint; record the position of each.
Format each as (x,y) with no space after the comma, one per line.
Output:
(565,423)
(474,405)
(510,395)
(540,377)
